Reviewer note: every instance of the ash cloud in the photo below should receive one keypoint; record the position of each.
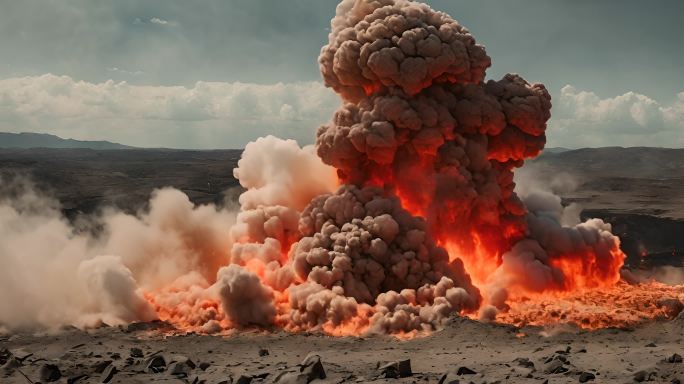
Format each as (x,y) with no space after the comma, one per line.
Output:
(404,213)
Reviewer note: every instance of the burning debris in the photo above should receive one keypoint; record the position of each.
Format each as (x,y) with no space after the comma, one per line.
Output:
(404,213)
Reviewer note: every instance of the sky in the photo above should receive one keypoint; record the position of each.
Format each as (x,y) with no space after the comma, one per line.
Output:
(220,73)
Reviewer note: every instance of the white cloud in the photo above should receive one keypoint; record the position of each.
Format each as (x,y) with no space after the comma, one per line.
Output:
(156,20)
(228,115)
(125,71)
(583,119)
(208,114)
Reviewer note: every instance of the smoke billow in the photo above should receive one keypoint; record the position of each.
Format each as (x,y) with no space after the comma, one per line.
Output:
(403,213)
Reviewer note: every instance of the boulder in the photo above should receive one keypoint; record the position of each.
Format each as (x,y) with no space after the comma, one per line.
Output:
(675,358)
(396,369)
(312,367)
(555,366)
(50,373)
(108,374)
(524,362)
(137,352)
(155,364)
(465,371)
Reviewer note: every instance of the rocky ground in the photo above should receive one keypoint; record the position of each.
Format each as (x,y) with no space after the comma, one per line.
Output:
(464,352)
(643,201)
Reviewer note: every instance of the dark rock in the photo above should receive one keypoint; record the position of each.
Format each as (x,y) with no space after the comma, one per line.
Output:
(672,306)
(555,366)
(50,373)
(312,367)
(524,362)
(156,364)
(179,368)
(182,359)
(564,351)
(115,355)
(137,352)
(244,379)
(676,381)
(676,358)
(101,366)
(10,365)
(396,369)
(108,374)
(586,376)
(561,358)
(465,371)
(204,365)
(651,345)
(643,376)
(4,356)
(77,378)
(449,378)
(263,352)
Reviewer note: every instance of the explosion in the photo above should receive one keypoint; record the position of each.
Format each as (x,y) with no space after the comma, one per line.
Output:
(403,213)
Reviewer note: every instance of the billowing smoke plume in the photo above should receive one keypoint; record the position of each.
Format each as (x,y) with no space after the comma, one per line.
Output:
(403,214)
(420,121)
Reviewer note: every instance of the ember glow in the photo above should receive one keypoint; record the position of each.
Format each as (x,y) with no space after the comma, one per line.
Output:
(404,213)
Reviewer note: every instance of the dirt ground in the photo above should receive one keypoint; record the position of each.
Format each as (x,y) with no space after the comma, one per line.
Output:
(484,353)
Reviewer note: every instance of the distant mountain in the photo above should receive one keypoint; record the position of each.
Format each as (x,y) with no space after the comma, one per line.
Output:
(556,150)
(631,162)
(44,140)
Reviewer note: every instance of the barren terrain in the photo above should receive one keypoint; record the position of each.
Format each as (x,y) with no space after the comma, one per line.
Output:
(638,190)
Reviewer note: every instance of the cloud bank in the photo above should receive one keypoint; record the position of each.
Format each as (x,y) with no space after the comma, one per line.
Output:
(206,115)
(229,115)
(583,119)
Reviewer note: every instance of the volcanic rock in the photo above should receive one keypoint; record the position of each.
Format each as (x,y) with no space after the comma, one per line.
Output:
(449,378)
(50,373)
(650,345)
(465,371)
(156,364)
(586,376)
(136,352)
(4,356)
(108,373)
(204,365)
(673,307)
(396,369)
(524,362)
(643,376)
(676,358)
(312,367)
(555,366)
(263,352)
(180,368)
(244,379)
